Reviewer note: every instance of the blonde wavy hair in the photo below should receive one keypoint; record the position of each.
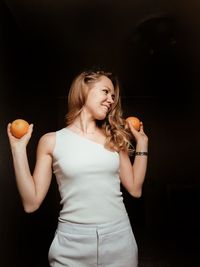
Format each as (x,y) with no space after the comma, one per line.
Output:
(118,136)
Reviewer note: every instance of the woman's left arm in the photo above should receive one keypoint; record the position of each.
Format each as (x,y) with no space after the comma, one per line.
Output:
(132,175)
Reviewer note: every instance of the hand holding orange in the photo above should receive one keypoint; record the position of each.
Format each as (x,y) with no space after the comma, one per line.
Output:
(19,128)
(134,121)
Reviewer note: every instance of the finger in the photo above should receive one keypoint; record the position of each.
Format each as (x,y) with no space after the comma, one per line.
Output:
(141,127)
(11,137)
(133,130)
(129,124)
(8,127)
(30,129)
(27,136)
(8,130)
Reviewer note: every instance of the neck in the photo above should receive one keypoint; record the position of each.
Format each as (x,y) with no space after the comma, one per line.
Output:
(85,126)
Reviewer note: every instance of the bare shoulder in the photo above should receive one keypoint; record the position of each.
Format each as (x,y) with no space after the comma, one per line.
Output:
(47,142)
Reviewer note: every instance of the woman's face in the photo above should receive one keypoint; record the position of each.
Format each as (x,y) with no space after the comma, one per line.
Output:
(100,98)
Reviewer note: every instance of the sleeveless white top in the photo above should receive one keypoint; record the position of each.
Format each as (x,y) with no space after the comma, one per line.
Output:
(88,179)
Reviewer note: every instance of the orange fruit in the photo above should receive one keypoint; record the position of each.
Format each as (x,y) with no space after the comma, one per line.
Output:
(19,127)
(135,122)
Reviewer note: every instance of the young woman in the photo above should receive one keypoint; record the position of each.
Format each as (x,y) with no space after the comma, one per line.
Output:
(90,159)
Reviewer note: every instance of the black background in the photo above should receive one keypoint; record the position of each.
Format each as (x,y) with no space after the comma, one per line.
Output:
(154,48)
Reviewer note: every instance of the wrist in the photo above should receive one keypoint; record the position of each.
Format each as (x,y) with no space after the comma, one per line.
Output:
(141,147)
(141,153)
(16,149)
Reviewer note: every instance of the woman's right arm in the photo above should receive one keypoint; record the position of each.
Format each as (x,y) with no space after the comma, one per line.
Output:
(32,187)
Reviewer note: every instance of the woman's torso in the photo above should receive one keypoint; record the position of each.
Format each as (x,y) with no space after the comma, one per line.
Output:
(88,179)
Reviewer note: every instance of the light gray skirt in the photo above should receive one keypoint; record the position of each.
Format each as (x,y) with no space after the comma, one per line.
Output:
(105,245)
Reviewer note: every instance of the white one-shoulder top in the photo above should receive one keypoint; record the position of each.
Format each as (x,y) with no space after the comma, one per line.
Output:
(88,180)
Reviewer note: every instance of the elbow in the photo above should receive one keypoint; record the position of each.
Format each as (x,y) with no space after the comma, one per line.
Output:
(136,193)
(30,208)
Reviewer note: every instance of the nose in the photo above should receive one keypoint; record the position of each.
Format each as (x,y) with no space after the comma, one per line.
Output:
(110,99)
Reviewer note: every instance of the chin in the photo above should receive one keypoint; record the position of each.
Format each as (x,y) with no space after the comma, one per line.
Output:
(101,117)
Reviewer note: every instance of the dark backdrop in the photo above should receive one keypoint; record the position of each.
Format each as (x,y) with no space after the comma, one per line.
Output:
(154,49)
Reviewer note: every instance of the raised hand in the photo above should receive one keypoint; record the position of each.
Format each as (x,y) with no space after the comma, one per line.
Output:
(23,141)
(139,135)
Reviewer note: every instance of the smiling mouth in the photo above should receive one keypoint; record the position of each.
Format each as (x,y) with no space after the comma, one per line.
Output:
(106,108)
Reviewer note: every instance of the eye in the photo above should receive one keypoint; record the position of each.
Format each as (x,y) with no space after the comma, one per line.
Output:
(105,91)
(113,97)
